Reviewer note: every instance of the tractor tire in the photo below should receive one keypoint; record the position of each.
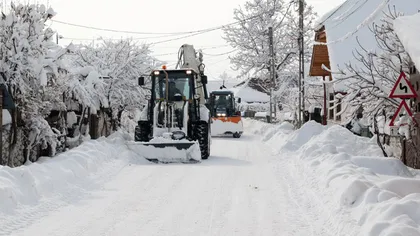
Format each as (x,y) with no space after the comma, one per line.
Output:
(141,132)
(203,137)
(236,135)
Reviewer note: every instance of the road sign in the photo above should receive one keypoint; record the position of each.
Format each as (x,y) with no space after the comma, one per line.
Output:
(407,109)
(403,88)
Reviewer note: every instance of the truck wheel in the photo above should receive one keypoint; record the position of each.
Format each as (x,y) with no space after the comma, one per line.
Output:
(236,135)
(203,136)
(141,132)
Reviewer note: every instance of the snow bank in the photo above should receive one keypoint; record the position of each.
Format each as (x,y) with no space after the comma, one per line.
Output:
(271,133)
(383,194)
(30,184)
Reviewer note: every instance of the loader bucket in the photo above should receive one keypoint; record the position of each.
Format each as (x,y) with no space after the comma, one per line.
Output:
(167,152)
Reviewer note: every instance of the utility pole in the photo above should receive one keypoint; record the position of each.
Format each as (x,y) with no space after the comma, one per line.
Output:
(57,36)
(272,71)
(301,65)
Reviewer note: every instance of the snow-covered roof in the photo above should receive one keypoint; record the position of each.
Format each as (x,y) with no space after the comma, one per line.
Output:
(408,31)
(349,22)
(214,85)
(249,95)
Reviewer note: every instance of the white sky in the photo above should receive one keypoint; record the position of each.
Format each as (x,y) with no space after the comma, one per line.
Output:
(157,16)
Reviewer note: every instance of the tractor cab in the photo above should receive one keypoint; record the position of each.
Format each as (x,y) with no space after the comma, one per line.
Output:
(226,118)
(176,85)
(222,104)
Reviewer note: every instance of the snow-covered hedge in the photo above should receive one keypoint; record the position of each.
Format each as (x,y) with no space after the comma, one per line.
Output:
(47,81)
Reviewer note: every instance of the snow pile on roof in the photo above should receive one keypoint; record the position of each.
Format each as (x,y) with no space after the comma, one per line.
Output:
(214,85)
(71,172)
(382,193)
(408,31)
(250,95)
(351,21)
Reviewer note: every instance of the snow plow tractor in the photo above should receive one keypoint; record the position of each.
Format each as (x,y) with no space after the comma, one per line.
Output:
(175,125)
(226,119)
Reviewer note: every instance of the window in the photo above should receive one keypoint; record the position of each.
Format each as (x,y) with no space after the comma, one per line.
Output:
(177,85)
(223,104)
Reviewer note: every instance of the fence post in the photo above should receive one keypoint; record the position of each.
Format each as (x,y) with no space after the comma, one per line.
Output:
(404,151)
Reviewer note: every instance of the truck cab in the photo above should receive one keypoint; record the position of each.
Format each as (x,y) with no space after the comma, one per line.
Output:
(226,118)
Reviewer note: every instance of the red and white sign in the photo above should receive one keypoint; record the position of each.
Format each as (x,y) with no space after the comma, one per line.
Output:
(407,109)
(403,88)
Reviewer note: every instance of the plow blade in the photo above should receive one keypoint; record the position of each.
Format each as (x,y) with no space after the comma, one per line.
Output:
(167,152)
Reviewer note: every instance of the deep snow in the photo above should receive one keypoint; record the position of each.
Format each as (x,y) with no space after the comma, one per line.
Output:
(381,193)
(272,181)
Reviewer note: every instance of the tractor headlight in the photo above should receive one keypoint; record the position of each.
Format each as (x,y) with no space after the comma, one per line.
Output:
(156,72)
(178,135)
(221,114)
(188,72)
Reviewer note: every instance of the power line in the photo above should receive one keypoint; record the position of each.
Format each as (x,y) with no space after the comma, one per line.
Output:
(203,48)
(112,30)
(162,34)
(220,54)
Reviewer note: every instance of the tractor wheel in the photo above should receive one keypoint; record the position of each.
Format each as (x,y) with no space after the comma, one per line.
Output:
(141,132)
(236,135)
(203,136)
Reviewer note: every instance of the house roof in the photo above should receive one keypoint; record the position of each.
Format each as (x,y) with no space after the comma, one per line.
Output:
(214,84)
(351,21)
(408,31)
(250,95)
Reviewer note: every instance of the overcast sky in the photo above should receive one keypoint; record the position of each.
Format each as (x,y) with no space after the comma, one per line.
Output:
(157,16)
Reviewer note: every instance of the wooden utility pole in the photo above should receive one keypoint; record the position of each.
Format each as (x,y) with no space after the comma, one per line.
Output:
(272,71)
(301,65)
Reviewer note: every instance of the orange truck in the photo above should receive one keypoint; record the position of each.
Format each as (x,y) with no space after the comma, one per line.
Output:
(225,117)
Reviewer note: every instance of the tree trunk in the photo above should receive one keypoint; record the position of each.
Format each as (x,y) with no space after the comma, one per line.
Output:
(378,138)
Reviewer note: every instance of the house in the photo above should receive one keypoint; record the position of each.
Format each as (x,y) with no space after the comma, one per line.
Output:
(407,29)
(338,34)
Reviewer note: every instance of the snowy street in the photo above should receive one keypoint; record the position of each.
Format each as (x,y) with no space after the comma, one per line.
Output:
(270,117)
(241,190)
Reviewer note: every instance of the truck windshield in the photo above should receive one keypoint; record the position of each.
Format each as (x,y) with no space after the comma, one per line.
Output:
(177,86)
(222,102)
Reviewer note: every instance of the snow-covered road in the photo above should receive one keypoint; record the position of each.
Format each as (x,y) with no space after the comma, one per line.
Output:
(272,181)
(241,190)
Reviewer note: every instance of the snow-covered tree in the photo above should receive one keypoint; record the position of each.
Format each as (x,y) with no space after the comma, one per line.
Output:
(27,70)
(370,84)
(118,64)
(250,38)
